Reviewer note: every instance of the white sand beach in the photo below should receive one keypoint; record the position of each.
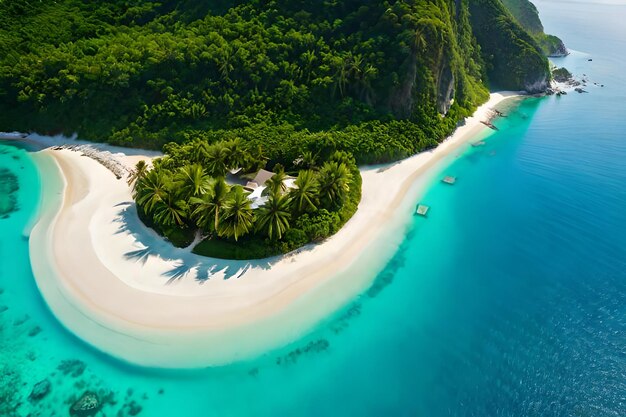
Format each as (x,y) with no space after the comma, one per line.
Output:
(117,285)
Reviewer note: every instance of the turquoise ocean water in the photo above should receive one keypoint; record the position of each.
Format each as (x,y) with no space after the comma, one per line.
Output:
(508,300)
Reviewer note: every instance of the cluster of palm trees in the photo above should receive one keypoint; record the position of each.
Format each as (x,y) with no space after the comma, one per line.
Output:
(216,158)
(351,71)
(191,195)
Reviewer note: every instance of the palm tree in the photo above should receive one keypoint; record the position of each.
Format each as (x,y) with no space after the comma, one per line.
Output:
(208,207)
(235,154)
(198,110)
(307,160)
(355,66)
(342,72)
(305,194)
(151,189)
(199,151)
(238,217)
(171,210)
(276,184)
(428,31)
(255,159)
(334,182)
(215,160)
(273,217)
(203,210)
(226,64)
(418,40)
(309,58)
(369,74)
(140,171)
(288,91)
(342,157)
(192,180)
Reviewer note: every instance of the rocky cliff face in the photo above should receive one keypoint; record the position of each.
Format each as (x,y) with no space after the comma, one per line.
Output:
(402,100)
(450,66)
(445,89)
(536,85)
(560,51)
(555,47)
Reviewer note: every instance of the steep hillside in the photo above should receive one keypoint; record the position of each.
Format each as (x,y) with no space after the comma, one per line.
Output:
(527,15)
(512,56)
(382,79)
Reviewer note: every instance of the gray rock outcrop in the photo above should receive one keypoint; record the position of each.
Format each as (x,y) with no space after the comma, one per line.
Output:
(40,390)
(86,406)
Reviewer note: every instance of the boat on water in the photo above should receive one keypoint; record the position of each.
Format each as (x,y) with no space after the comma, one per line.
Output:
(449,179)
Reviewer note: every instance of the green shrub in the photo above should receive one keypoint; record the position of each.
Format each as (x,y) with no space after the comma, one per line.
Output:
(247,247)
(319,225)
(179,237)
(294,238)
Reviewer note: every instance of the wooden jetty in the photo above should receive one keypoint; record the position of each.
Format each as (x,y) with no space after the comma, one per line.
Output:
(489,125)
(448,179)
(422,209)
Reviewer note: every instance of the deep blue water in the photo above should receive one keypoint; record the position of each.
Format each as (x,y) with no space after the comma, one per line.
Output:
(508,300)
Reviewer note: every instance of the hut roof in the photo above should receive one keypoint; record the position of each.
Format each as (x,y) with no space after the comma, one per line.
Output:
(262,176)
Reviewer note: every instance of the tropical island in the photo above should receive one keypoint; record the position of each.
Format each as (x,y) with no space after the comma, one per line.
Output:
(248,130)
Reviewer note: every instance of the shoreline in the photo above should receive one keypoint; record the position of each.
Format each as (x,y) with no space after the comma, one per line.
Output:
(119,287)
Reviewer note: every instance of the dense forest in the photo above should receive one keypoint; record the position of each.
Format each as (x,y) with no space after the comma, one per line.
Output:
(379,79)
